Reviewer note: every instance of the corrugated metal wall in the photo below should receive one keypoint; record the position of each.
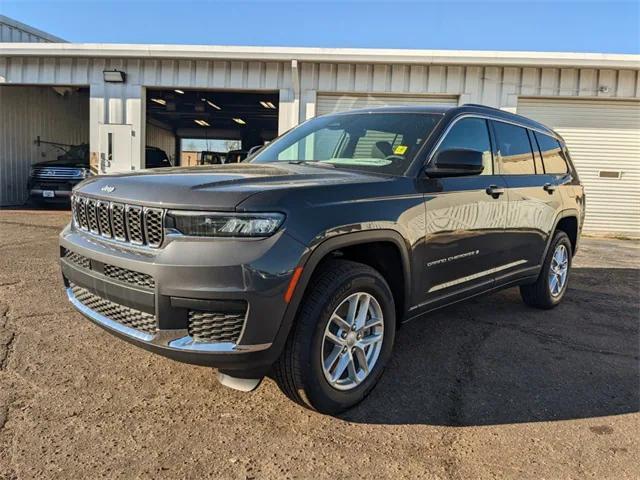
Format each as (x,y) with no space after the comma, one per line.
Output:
(11,34)
(28,112)
(493,86)
(162,138)
(329,103)
(151,73)
(14,31)
(602,136)
(303,85)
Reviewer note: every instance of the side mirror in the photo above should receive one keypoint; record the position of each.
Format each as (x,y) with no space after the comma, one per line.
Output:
(455,162)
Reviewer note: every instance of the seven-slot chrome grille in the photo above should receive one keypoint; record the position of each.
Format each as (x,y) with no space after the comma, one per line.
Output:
(134,224)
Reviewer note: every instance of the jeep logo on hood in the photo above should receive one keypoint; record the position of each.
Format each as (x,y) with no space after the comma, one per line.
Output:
(108,188)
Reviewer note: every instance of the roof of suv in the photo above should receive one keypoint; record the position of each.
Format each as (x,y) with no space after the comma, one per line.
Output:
(455,110)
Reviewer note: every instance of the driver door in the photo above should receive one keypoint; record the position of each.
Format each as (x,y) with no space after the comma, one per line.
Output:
(465,220)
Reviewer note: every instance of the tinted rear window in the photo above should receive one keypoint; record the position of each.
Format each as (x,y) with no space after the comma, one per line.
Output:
(514,149)
(552,154)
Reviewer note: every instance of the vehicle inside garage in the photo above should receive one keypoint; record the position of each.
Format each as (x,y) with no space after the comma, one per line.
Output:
(196,127)
(43,141)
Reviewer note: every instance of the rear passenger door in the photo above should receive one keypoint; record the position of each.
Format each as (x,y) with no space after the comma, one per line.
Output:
(532,195)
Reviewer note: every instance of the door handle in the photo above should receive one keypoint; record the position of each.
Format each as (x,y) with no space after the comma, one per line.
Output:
(549,188)
(495,191)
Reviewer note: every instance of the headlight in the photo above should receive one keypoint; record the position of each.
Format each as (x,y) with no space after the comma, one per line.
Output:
(210,224)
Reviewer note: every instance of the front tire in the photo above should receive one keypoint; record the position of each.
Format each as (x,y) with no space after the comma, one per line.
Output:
(549,289)
(342,338)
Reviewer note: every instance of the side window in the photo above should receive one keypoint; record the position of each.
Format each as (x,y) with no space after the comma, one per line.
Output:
(552,154)
(471,134)
(514,149)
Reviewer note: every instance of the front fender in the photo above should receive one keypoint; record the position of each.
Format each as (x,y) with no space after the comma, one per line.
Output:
(314,256)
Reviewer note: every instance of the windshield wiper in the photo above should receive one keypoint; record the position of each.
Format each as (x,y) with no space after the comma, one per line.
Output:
(316,163)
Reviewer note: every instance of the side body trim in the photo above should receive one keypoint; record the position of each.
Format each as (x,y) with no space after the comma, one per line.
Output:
(475,276)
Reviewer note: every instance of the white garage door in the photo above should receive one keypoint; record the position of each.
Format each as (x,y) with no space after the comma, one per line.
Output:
(604,142)
(330,103)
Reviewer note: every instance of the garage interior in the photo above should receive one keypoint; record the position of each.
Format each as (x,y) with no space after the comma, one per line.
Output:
(39,123)
(196,127)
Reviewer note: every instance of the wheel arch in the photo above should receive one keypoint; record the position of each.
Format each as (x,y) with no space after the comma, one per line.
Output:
(323,250)
(566,219)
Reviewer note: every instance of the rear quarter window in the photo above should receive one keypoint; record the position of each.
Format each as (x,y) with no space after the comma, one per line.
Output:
(553,155)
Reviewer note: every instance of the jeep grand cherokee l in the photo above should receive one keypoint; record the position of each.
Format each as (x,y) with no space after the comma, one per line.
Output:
(301,262)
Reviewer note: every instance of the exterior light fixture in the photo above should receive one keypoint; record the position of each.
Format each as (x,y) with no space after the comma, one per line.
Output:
(202,123)
(213,105)
(239,121)
(114,76)
(177,90)
(159,101)
(269,105)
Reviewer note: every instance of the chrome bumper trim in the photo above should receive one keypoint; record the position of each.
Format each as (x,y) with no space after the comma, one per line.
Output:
(107,322)
(172,339)
(58,193)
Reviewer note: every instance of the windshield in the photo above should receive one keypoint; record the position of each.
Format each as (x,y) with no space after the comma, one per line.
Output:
(76,152)
(378,142)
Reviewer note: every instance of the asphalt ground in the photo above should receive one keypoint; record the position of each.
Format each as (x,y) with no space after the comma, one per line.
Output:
(488,388)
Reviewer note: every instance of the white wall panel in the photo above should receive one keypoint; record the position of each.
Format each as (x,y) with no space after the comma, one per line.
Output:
(150,72)
(494,86)
(29,112)
(329,103)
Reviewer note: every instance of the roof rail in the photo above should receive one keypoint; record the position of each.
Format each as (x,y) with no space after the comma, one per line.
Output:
(480,105)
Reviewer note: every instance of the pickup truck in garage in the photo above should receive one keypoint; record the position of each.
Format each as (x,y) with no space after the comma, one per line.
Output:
(52,181)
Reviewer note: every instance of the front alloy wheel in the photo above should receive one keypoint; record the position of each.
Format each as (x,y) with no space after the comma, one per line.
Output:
(341,340)
(352,341)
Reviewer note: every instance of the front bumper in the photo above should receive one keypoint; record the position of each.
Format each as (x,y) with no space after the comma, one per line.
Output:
(188,275)
(62,189)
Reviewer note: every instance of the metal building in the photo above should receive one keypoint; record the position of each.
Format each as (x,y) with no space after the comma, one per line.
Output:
(13,31)
(121,98)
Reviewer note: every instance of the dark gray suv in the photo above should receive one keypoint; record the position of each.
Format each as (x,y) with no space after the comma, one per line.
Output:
(301,262)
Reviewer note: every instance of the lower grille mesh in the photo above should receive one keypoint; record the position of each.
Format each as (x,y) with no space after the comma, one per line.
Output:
(215,326)
(129,276)
(78,259)
(129,317)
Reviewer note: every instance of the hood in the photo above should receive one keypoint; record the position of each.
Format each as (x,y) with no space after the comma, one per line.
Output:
(63,161)
(218,187)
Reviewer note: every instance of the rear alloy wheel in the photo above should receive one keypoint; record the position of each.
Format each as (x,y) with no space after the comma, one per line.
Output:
(341,340)
(551,285)
(559,270)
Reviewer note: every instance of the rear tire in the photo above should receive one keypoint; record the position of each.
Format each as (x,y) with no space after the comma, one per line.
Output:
(549,289)
(304,370)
